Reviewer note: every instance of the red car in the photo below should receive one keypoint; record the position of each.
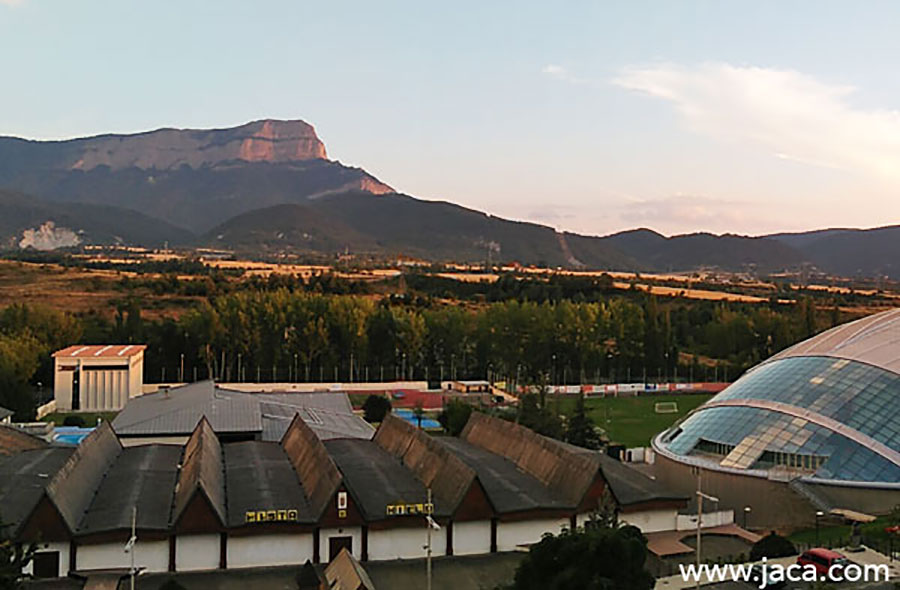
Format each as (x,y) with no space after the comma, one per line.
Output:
(826,561)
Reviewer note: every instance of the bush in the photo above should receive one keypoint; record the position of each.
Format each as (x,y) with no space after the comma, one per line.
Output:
(375,408)
(596,557)
(772,545)
(454,417)
(73,421)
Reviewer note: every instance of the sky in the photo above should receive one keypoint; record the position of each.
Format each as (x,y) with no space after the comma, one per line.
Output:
(743,117)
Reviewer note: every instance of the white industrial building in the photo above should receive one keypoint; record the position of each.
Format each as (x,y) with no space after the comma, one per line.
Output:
(97,377)
(210,504)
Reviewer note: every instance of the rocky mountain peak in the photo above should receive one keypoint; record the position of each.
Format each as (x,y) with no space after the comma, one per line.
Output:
(268,140)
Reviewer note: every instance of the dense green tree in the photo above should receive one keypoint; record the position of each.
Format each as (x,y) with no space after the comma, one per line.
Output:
(375,408)
(580,429)
(593,558)
(454,416)
(534,415)
(771,546)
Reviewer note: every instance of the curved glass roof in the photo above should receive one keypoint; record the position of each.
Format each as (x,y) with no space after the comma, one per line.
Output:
(799,420)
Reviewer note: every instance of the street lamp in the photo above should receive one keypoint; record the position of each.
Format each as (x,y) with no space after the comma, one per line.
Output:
(747,511)
(819,514)
(700,497)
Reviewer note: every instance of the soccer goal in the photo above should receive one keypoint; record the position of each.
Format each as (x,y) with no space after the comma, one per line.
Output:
(666,407)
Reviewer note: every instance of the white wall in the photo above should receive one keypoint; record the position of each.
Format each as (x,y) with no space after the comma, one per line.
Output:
(61,548)
(270,550)
(355,532)
(151,555)
(196,552)
(651,521)
(62,387)
(688,522)
(405,543)
(472,538)
(512,534)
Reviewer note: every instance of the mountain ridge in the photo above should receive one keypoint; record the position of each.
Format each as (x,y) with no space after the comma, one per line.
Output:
(267,186)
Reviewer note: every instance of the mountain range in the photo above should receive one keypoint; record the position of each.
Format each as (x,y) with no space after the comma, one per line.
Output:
(268,187)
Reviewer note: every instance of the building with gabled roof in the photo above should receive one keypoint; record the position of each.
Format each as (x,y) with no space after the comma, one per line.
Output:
(208,504)
(170,414)
(97,377)
(13,440)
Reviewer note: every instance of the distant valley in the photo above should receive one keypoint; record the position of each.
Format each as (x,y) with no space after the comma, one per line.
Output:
(267,188)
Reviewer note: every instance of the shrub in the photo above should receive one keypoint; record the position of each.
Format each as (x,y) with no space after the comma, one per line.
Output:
(770,546)
(375,408)
(454,417)
(73,421)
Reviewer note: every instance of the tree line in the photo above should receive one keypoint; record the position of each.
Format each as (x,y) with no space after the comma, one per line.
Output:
(280,334)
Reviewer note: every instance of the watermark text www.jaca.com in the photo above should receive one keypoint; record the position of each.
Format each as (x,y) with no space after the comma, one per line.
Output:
(765,574)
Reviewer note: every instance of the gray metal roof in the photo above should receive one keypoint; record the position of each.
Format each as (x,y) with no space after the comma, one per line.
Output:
(259,476)
(508,488)
(630,486)
(4,413)
(23,479)
(329,415)
(376,478)
(874,340)
(142,477)
(177,411)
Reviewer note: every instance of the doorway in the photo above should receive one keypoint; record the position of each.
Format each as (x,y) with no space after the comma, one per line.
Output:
(335,544)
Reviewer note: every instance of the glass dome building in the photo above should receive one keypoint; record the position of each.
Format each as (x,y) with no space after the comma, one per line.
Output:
(825,411)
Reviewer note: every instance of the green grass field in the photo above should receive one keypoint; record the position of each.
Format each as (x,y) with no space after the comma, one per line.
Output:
(632,421)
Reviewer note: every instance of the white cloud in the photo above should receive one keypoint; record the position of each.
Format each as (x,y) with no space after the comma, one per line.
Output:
(562,73)
(792,115)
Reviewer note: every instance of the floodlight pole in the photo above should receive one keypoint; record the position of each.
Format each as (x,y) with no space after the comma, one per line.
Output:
(699,517)
(427,548)
(700,497)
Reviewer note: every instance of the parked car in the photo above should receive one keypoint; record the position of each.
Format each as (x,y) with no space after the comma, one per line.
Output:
(825,561)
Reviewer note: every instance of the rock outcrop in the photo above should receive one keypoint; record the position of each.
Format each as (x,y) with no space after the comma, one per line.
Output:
(260,141)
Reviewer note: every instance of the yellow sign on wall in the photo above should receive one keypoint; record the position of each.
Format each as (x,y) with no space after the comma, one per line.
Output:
(409,509)
(257,516)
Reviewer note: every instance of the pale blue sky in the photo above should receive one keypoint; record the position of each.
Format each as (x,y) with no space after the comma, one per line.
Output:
(592,116)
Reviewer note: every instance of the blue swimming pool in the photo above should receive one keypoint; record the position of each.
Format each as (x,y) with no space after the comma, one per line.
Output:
(70,435)
(409,416)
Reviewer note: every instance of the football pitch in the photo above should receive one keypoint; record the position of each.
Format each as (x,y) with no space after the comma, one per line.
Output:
(633,421)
